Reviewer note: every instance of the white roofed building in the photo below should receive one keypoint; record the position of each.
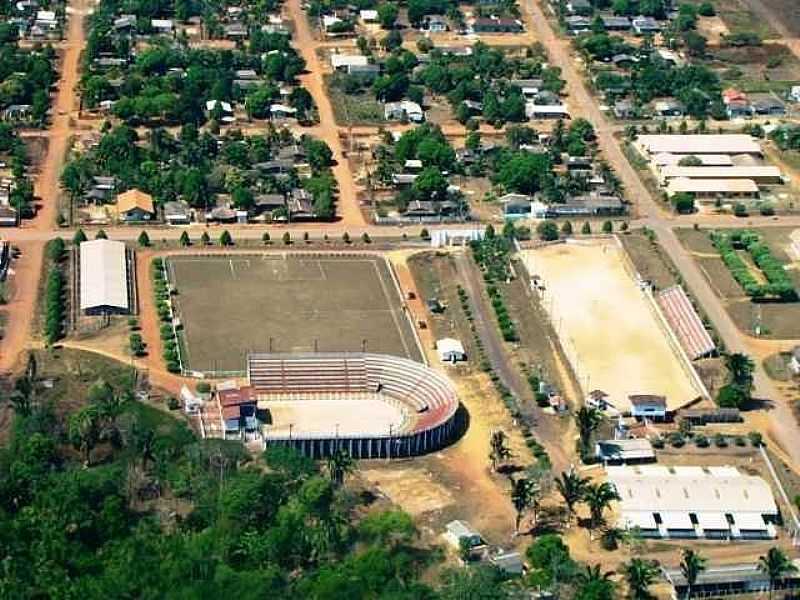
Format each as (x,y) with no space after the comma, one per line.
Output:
(104,278)
(450,350)
(731,143)
(763,175)
(694,502)
(711,189)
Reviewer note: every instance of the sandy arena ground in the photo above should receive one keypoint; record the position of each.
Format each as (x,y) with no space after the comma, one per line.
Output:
(325,416)
(606,325)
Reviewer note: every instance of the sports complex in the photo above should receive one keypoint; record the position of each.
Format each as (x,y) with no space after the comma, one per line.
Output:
(323,348)
(611,330)
(230,305)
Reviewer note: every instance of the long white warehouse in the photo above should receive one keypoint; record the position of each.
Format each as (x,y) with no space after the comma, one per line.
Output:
(731,143)
(694,502)
(104,277)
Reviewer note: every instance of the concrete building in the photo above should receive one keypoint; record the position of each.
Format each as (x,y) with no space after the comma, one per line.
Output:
(632,450)
(694,502)
(104,278)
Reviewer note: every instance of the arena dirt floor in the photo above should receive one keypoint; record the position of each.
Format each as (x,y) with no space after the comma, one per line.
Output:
(345,417)
(605,324)
(234,304)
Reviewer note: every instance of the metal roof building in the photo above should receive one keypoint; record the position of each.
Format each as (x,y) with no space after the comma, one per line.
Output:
(694,502)
(710,188)
(685,322)
(732,143)
(104,277)
(759,174)
(729,580)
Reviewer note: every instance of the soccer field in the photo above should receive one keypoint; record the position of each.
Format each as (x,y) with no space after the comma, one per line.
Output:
(238,303)
(608,330)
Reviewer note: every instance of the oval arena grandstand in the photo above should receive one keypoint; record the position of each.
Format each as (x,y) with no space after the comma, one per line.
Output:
(372,405)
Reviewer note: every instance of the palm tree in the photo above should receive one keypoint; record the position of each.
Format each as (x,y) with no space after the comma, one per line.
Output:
(598,497)
(499,448)
(691,566)
(340,464)
(571,486)
(84,431)
(639,575)
(775,565)
(524,494)
(587,420)
(593,574)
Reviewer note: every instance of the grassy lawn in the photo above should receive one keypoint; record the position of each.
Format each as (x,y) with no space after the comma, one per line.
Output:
(354,109)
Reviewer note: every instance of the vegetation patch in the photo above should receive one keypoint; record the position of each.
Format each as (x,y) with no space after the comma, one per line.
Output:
(778,286)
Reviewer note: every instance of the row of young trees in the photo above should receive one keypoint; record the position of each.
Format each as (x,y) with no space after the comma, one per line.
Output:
(55,297)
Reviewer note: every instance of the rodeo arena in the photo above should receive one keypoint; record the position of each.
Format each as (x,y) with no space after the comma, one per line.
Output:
(371,405)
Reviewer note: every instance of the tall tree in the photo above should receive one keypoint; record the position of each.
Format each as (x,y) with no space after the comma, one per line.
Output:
(499,451)
(523,496)
(587,419)
(84,431)
(571,486)
(692,564)
(598,498)
(639,574)
(775,565)
(340,464)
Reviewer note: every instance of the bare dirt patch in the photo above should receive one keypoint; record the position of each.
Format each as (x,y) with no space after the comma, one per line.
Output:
(614,340)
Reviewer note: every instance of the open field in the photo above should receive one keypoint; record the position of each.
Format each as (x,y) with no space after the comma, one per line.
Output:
(778,320)
(233,304)
(606,325)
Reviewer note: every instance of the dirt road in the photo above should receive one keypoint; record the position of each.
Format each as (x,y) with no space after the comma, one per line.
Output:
(347,208)
(27,269)
(499,357)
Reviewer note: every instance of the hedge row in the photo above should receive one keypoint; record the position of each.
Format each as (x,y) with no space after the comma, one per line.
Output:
(492,255)
(55,308)
(168,337)
(779,284)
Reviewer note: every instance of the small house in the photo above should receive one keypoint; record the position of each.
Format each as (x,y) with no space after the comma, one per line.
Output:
(627,451)
(177,213)
(738,109)
(281,111)
(612,23)
(135,205)
(367,73)
(794,93)
(668,108)
(162,26)
(434,24)
(546,111)
(769,107)
(497,25)
(578,7)
(624,109)
(405,109)
(236,31)
(577,25)
(516,206)
(8,217)
(645,26)
(455,531)
(648,406)
(341,62)
(450,350)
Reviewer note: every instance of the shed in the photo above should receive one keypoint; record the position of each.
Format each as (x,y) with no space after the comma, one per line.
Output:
(177,213)
(456,530)
(450,350)
(104,277)
(625,451)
